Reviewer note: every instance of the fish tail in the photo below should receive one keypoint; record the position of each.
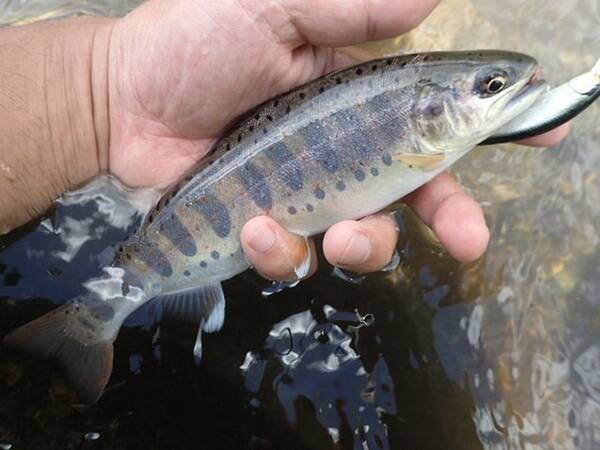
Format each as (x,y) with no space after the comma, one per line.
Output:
(79,336)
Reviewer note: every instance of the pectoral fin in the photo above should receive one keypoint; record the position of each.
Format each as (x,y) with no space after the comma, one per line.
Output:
(425,161)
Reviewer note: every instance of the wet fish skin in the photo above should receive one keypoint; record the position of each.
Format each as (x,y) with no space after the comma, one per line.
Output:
(310,158)
(340,147)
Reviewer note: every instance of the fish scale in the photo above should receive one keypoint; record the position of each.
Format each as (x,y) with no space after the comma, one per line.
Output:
(341,147)
(254,185)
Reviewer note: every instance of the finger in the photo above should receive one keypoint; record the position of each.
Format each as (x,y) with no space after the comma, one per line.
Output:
(549,139)
(337,23)
(456,219)
(361,246)
(460,226)
(425,200)
(275,253)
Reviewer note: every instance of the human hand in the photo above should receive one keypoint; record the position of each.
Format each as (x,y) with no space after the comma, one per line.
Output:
(181,71)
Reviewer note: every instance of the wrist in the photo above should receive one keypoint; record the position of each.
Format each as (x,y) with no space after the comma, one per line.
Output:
(54,128)
(77,97)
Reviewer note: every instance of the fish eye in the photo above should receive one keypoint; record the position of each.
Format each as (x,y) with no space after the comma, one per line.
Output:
(494,84)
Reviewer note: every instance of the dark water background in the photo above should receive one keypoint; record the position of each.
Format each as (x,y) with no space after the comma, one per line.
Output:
(376,382)
(500,354)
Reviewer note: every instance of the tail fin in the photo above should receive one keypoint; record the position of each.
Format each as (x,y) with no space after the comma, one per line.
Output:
(69,335)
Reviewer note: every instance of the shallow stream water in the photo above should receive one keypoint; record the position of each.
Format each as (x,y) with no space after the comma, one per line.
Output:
(503,353)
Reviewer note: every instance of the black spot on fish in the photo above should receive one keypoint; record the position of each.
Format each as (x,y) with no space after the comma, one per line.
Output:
(239,138)
(338,80)
(387,159)
(269,118)
(203,264)
(321,90)
(215,254)
(340,185)
(228,146)
(215,213)
(359,175)
(179,235)
(288,169)
(276,103)
(257,117)
(319,193)
(186,273)
(388,62)
(374,67)
(374,171)
(292,210)
(359,71)
(309,207)
(256,185)
(319,148)
(250,128)
(288,109)
(302,95)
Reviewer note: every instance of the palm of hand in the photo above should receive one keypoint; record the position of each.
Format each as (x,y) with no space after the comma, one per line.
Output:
(180,71)
(174,93)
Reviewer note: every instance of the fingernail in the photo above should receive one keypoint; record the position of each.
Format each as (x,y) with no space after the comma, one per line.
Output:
(357,251)
(262,240)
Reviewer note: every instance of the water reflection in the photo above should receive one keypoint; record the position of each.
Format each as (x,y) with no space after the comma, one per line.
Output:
(317,364)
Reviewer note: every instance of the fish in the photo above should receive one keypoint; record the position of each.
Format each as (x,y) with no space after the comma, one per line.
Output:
(343,146)
(552,108)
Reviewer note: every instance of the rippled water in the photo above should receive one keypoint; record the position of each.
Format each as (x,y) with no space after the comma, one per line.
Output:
(503,353)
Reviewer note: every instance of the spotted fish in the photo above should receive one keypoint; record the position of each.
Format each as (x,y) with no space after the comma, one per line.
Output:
(340,147)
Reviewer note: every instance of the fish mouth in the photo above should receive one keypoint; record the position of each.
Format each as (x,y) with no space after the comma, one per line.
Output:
(526,94)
